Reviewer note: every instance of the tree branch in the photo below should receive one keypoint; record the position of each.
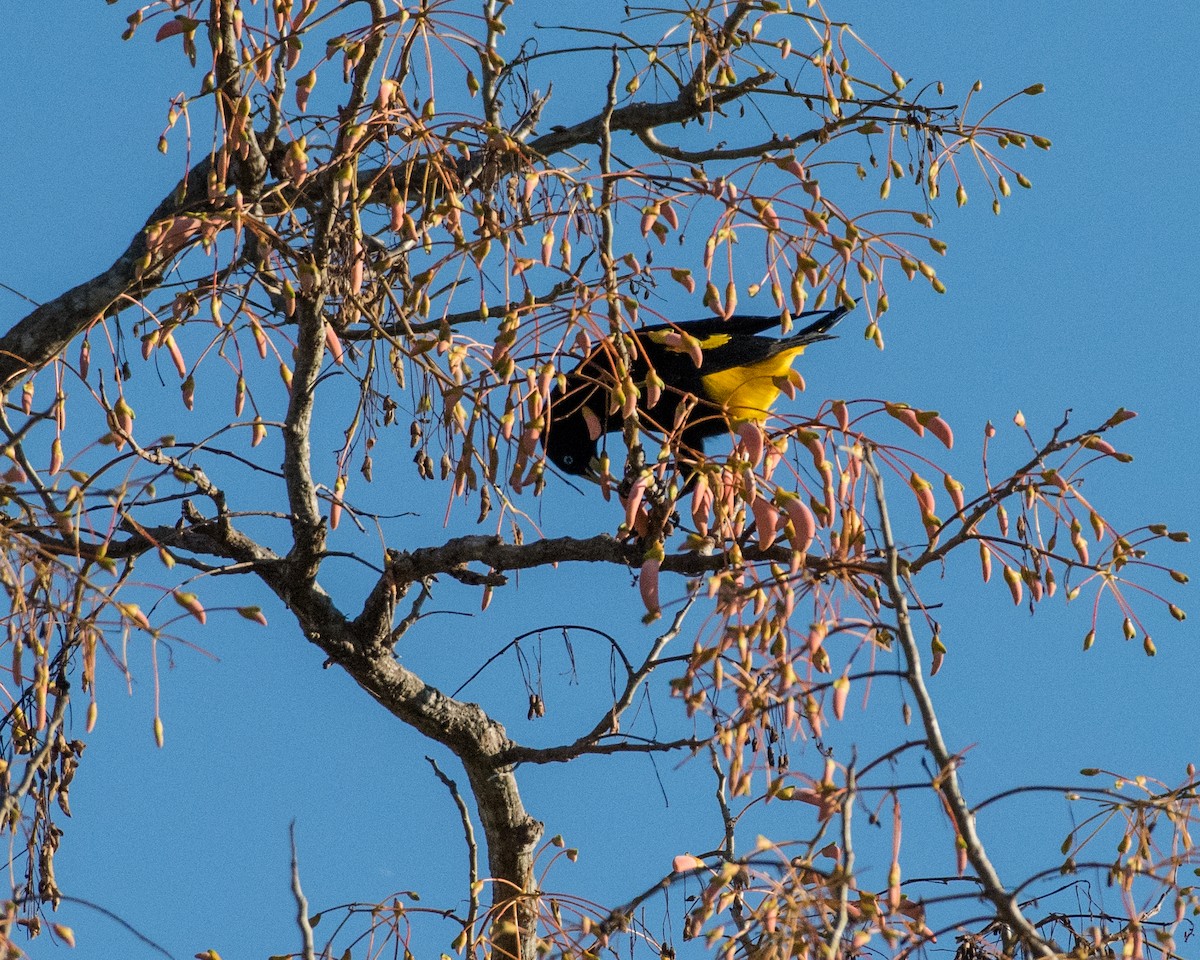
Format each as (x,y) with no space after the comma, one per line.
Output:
(472,850)
(44,333)
(1004,902)
(307,952)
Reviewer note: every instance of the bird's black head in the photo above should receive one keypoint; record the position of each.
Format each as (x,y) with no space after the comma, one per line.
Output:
(569,444)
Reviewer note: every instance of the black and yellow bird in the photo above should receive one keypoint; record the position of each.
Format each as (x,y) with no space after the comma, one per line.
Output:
(733,374)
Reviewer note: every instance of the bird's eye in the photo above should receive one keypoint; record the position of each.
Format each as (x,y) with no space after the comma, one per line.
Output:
(568,461)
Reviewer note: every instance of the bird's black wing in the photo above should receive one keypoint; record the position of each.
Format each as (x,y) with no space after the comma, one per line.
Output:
(742,348)
(741,324)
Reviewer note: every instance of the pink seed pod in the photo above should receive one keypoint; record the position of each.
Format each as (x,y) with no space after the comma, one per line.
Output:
(1081,547)
(1100,446)
(654,387)
(527,443)
(787,384)
(629,403)
(583,341)
(729,491)
(693,348)
(176,355)
(775,451)
(730,300)
(172,28)
(260,338)
(686,862)
(592,422)
(702,502)
(766,213)
(633,502)
(816,221)
(766,519)
(649,219)
(752,436)
(253,614)
(133,613)
(804,524)
(841,693)
(955,489)
(1013,579)
(191,603)
(333,344)
(386,95)
(816,447)
(749,486)
(531,182)
(828,495)
(667,212)
(648,585)
(985,560)
(685,278)
(941,429)
(335,508)
(924,493)
(907,416)
(545,378)
(842,413)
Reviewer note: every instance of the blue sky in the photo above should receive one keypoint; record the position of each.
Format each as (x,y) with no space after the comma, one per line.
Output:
(1078,295)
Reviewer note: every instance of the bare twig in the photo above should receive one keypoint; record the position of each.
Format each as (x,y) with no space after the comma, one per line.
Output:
(845,870)
(728,851)
(609,724)
(472,850)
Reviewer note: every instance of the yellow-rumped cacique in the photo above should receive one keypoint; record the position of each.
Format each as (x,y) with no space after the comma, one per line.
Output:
(734,374)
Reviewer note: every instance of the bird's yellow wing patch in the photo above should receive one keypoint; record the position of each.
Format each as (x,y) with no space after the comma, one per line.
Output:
(678,342)
(674,340)
(748,392)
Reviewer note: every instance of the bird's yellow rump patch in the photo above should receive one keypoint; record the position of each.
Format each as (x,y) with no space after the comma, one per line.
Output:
(748,392)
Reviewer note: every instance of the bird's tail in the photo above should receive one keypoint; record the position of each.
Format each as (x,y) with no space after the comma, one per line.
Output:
(819,328)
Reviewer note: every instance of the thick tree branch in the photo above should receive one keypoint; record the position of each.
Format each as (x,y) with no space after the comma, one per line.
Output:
(307,951)
(454,555)
(475,738)
(44,333)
